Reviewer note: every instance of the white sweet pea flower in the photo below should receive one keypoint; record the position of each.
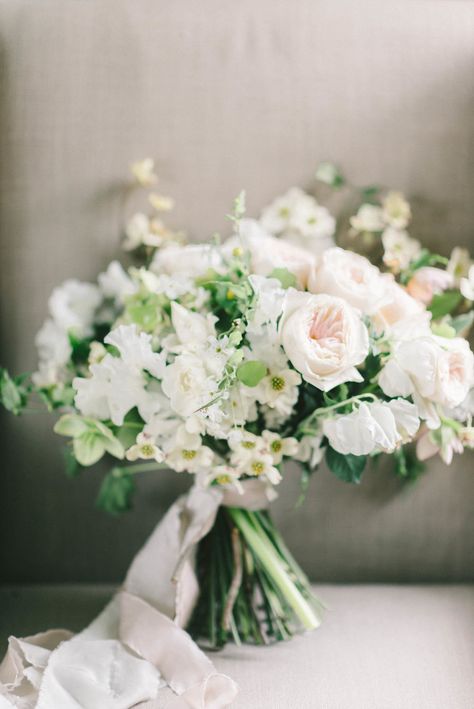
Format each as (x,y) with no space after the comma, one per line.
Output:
(73,306)
(400,249)
(396,210)
(324,338)
(187,384)
(143,172)
(136,350)
(377,426)
(192,260)
(97,352)
(279,447)
(467,285)
(350,276)
(406,418)
(368,218)
(443,440)
(310,450)
(297,217)
(115,283)
(427,282)
(112,390)
(459,264)
(54,352)
(145,449)
(185,452)
(191,330)
(139,232)
(270,296)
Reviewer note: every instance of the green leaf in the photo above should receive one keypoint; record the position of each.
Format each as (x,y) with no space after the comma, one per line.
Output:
(462,323)
(348,468)
(286,278)
(116,492)
(70,425)
(12,394)
(443,329)
(88,448)
(251,373)
(444,303)
(407,465)
(239,207)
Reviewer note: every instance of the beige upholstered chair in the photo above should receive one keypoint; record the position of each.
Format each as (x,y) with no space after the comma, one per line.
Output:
(228,95)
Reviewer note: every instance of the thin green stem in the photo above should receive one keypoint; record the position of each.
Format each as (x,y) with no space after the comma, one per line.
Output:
(138,468)
(272,565)
(326,409)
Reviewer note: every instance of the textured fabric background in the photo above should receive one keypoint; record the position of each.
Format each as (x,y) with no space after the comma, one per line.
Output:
(224,95)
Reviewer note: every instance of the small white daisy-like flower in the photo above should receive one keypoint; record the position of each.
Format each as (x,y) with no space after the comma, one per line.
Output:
(279,447)
(399,249)
(459,264)
(187,453)
(143,172)
(467,285)
(160,202)
(368,218)
(279,390)
(261,465)
(396,210)
(243,445)
(225,475)
(145,449)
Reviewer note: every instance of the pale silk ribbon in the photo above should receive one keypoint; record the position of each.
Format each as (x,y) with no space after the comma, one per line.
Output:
(136,650)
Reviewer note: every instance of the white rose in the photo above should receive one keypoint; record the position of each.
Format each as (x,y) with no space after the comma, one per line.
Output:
(436,369)
(267,253)
(397,306)
(324,338)
(349,276)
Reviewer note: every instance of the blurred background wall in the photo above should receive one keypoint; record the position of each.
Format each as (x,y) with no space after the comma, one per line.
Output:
(223,95)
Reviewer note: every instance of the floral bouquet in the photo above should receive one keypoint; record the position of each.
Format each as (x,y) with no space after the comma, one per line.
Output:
(225,360)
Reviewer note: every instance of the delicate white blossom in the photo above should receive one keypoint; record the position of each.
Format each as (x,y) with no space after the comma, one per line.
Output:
(297,217)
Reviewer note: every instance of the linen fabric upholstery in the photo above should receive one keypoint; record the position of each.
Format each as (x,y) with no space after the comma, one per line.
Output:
(223,95)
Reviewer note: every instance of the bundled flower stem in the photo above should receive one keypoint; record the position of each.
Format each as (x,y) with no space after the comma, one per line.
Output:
(252,590)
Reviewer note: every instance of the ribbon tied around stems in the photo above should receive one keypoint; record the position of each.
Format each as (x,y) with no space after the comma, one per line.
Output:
(136,650)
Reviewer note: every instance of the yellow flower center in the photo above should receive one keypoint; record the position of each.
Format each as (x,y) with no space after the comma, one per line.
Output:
(278,383)
(257,467)
(188,454)
(223,479)
(248,444)
(147,450)
(276,446)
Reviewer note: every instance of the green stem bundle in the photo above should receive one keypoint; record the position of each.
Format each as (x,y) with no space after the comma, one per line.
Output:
(252,590)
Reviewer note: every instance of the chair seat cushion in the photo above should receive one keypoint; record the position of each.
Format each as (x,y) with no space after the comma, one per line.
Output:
(379,647)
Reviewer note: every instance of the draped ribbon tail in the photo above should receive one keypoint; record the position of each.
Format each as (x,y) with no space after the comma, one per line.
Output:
(137,647)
